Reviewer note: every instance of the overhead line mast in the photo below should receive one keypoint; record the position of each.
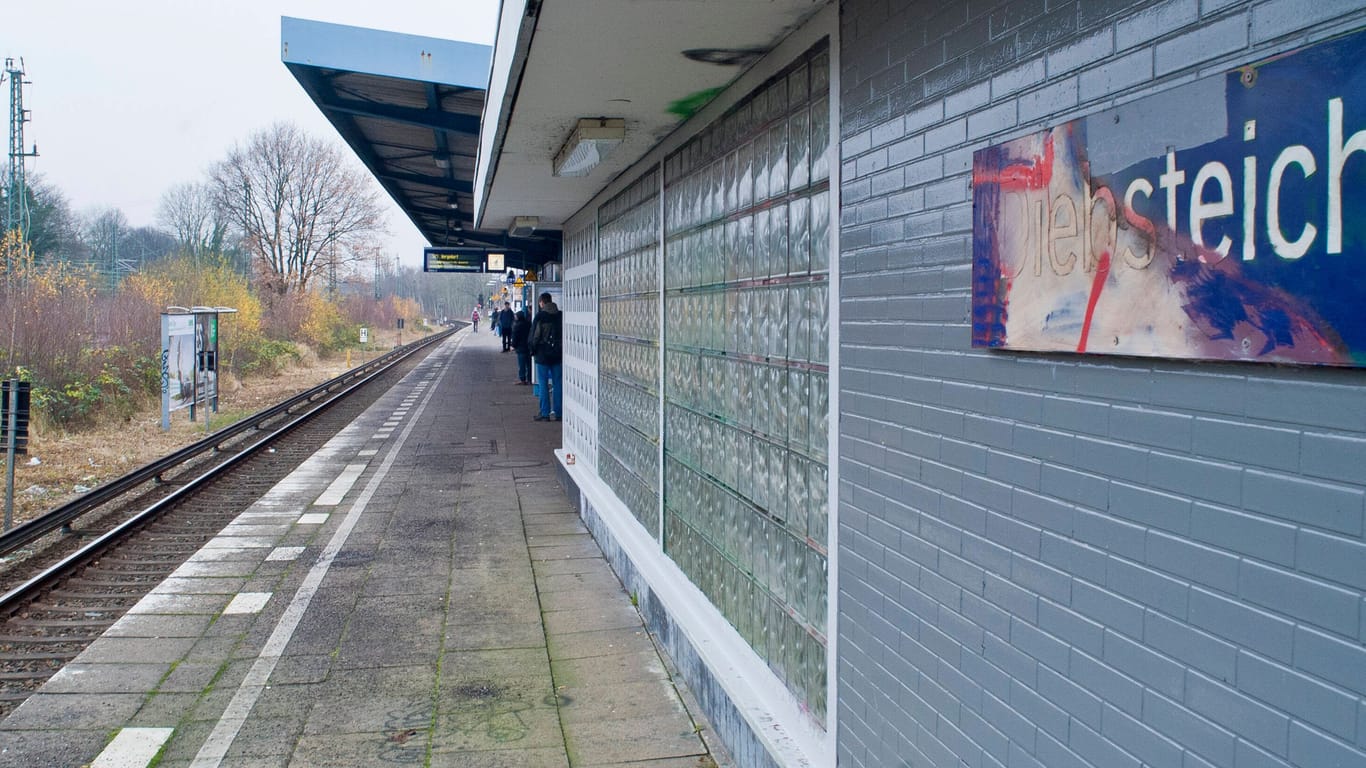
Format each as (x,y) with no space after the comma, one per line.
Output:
(16,187)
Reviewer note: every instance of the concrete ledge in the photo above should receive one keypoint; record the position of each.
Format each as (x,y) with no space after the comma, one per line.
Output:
(749,707)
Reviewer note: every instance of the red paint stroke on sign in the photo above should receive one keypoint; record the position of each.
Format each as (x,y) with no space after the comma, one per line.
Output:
(1036,174)
(1097,284)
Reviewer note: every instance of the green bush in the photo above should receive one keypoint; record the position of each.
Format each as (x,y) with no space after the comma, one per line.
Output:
(120,384)
(269,356)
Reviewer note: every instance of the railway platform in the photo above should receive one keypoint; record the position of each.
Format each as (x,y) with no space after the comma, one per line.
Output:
(418,592)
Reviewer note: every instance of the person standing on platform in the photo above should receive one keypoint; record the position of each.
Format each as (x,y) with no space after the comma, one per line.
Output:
(505,325)
(474,318)
(521,342)
(546,347)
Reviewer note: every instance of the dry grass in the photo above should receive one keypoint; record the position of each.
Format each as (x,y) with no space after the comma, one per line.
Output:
(69,464)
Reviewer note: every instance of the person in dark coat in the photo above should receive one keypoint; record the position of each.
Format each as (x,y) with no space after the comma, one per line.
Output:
(505,320)
(521,342)
(546,348)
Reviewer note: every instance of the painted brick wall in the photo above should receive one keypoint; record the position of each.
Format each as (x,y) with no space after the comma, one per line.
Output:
(1062,561)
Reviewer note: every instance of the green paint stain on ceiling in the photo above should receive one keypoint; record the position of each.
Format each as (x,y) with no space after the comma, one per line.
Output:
(688,106)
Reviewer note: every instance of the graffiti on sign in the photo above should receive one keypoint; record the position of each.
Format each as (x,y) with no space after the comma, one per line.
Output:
(1219,220)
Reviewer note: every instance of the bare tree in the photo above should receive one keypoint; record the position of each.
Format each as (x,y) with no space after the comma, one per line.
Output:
(188,210)
(103,230)
(53,228)
(144,245)
(294,197)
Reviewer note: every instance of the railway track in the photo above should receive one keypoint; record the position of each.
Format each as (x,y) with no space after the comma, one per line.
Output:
(70,574)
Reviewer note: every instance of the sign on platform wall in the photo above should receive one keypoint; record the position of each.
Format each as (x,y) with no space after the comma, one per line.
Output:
(1224,219)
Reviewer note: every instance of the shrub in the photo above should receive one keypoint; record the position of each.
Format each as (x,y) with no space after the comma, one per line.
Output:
(269,356)
(108,383)
(323,325)
(210,282)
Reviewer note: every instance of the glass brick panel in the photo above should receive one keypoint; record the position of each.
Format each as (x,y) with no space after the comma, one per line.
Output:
(629,336)
(745,380)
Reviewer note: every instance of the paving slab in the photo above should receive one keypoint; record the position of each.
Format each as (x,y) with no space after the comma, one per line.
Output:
(69,746)
(509,634)
(598,742)
(628,667)
(157,625)
(622,701)
(78,677)
(604,642)
(136,650)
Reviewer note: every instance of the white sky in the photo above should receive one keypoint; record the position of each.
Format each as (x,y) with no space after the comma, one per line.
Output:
(130,97)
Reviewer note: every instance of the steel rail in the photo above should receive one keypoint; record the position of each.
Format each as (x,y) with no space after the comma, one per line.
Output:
(61,516)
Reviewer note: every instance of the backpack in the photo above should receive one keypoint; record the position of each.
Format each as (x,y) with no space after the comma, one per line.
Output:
(548,342)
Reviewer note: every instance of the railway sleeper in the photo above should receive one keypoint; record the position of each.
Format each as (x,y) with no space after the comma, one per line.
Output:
(26,658)
(100,624)
(102,607)
(40,675)
(25,640)
(63,595)
(113,577)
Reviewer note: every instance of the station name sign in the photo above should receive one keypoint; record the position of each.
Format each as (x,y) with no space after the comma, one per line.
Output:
(461,259)
(1224,220)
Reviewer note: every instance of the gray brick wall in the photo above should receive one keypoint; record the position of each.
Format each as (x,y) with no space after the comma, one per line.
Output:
(1056,560)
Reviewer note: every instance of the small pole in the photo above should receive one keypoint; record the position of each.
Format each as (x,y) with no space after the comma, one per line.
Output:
(11,444)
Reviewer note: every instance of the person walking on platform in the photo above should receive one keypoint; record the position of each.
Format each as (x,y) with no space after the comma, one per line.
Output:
(546,347)
(505,320)
(521,342)
(474,318)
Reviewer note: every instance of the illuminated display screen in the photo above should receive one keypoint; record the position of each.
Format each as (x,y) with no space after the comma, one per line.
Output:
(462,259)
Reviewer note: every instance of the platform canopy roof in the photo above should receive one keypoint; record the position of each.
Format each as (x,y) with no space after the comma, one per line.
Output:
(649,62)
(410,109)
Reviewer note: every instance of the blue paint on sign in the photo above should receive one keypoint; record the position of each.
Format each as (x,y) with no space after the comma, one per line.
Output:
(1228,217)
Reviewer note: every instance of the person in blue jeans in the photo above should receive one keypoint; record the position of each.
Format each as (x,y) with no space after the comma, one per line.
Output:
(521,343)
(546,349)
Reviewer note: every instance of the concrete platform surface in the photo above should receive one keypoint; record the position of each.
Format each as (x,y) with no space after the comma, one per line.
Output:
(420,592)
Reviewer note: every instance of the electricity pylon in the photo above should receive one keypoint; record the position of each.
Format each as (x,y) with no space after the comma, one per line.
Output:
(16,188)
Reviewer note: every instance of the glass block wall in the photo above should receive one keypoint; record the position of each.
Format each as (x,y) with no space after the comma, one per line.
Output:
(628,319)
(746,368)
(581,344)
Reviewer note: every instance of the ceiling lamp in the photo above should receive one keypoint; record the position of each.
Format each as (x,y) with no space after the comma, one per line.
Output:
(523,226)
(591,141)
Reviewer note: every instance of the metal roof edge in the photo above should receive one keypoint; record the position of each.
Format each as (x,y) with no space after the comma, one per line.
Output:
(305,42)
(511,47)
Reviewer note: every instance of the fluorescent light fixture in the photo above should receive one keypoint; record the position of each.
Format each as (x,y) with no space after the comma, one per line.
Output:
(523,226)
(591,141)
